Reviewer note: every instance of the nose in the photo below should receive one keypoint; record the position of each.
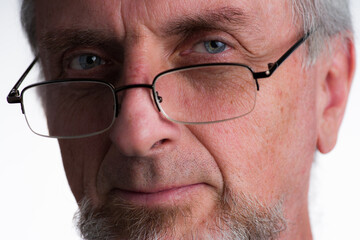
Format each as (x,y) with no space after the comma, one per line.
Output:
(140,129)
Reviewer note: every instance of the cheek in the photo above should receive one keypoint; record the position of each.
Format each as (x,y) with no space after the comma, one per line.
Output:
(268,152)
(82,159)
(285,125)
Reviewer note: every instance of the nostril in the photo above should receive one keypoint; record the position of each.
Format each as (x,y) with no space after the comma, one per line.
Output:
(159,143)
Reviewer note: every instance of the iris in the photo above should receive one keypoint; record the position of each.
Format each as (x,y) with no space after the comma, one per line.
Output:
(214,47)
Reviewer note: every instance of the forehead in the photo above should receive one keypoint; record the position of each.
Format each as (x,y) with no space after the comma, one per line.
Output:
(122,16)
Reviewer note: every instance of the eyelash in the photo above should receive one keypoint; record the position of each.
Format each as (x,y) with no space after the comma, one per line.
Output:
(193,54)
(83,59)
(103,68)
(223,47)
(194,50)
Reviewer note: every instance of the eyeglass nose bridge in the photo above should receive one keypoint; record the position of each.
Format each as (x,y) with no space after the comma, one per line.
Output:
(156,98)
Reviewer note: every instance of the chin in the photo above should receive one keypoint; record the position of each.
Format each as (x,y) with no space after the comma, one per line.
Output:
(230,217)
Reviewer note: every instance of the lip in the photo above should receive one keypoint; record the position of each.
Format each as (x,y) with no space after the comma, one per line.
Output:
(165,196)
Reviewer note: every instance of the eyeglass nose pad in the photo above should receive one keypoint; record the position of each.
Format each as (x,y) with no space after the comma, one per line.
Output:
(157,100)
(120,91)
(117,103)
(119,95)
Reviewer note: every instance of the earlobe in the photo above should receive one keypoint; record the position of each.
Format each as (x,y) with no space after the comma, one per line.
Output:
(333,91)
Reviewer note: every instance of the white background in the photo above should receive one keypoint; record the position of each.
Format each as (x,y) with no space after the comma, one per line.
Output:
(35,200)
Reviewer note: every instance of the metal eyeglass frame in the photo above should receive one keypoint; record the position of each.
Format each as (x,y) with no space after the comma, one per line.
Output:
(15,97)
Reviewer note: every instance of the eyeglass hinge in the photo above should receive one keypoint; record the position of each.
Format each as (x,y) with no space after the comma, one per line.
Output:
(14,96)
(272,67)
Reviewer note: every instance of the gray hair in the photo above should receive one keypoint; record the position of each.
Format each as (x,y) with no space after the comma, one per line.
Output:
(326,18)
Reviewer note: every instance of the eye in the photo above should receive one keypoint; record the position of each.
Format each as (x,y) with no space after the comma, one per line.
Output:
(212,47)
(86,62)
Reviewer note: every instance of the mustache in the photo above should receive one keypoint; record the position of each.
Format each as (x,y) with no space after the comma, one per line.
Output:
(235,217)
(118,219)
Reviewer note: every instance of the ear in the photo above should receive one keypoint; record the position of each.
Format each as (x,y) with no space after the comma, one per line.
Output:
(333,91)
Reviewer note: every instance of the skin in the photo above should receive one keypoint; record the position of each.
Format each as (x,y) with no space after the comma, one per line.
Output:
(151,161)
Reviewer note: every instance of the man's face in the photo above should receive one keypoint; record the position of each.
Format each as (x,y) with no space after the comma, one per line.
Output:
(184,174)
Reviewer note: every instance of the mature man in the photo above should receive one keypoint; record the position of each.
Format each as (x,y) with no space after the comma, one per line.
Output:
(153,103)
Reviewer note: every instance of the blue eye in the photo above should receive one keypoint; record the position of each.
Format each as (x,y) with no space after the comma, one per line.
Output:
(86,62)
(214,47)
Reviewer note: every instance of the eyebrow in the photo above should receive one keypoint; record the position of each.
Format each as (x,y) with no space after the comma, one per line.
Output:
(228,17)
(59,40)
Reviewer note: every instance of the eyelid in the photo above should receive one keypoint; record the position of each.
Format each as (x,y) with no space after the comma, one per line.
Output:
(77,61)
(197,47)
(202,38)
(110,67)
(71,55)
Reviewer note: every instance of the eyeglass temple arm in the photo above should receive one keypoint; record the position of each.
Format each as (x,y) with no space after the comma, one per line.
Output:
(14,95)
(275,65)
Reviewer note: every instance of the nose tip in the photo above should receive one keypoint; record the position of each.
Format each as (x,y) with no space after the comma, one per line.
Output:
(139,128)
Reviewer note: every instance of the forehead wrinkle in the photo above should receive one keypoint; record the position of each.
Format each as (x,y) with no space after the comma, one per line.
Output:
(228,17)
(62,39)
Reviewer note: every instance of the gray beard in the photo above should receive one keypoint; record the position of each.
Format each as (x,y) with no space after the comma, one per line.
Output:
(236,217)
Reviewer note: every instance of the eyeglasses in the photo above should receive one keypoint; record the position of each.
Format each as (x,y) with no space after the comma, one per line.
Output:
(197,94)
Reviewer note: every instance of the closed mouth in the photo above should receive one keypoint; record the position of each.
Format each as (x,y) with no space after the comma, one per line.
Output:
(163,196)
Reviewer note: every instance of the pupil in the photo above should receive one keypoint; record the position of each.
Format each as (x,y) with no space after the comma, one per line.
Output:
(91,60)
(215,46)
